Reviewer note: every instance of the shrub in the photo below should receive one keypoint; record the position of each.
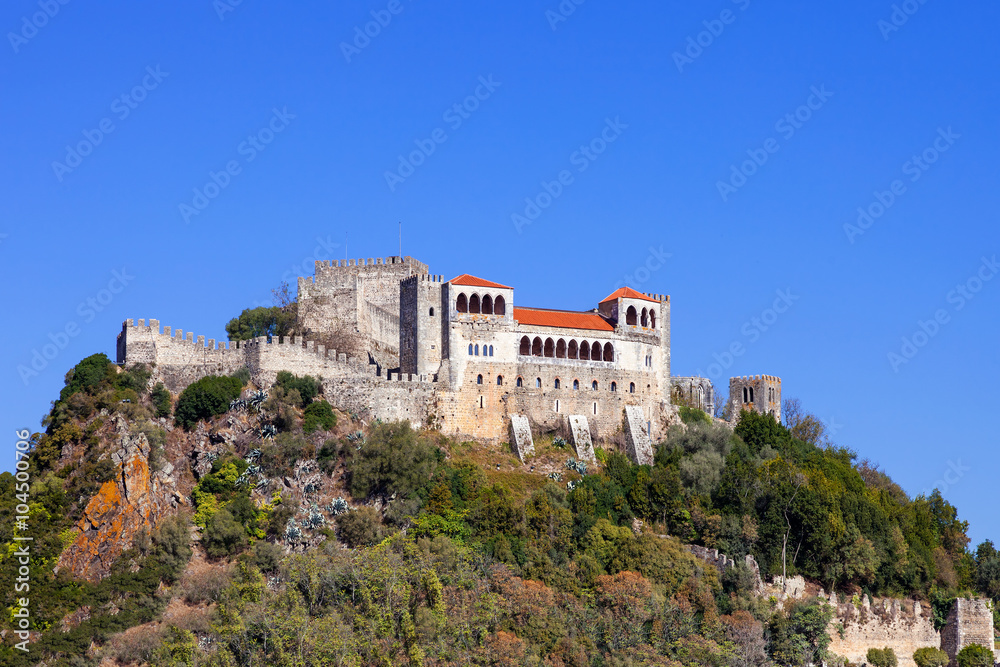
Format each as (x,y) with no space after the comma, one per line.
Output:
(224,535)
(319,415)
(930,657)
(975,655)
(881,657)
(172,545)
(360,527)
(87,375)
(394,459)
(242,374)
(206,398)
(136,645)
(694,416)
(266,556)
(205,584)
(135,378)
(307,387)
(161,400)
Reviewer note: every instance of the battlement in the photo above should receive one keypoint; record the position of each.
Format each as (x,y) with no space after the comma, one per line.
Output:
(175,335)
(756,378)
(394,262)
(424,278)
(664,298)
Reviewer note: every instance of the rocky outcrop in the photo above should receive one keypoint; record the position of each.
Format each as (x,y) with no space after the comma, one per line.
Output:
(133,501)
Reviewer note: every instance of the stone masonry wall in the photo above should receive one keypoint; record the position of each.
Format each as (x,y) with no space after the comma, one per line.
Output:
(969,622)
(902,625)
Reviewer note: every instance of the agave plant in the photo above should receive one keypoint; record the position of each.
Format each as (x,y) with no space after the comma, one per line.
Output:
(339,506)
(257,398)
(268,431)
(315,519)
(555,476)
(238,404)
(559,442)
(292,531)
(571,485)
(252,455)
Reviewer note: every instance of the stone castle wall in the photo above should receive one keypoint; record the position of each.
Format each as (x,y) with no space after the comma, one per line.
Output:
(902,625)
(969,622)
(762,392)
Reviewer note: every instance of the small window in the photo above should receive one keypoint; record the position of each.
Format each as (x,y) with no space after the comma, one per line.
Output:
(595,408)
(432,312)
(751,394)
(538,383)
(480,401)
(631,387)
(557,406)
(576,385)
(477,350)
(557,386)
(470,349)
(491,350)
(519,382)
(499,380)
(745,395)
(479,379)
(614,386)
(593,385)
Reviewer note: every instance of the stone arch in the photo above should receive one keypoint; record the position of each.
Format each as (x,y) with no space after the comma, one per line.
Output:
(561,349)
(614,386)
(499,305)
(474,306)
(536,347)
(487,305)
(595,351)
(576,385)
(556,384)
(652,318)
(479,379)
(538,383)
(462,305)
(573,351)
(609,352)
(585,350)
(525,349)
(593,385)
(630,315)
(644,318)
(519,382)
(499,380)
(550,348)
(631,387)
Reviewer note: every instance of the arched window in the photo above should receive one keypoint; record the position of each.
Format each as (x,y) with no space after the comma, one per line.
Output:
(630,315)
(609,352)
(557,383)
(576,385)
(463,304)
(536,347)
(595,351)
(477,350)
(585,350)
(593,385)
(519,382)
(474,304)
(561,349)
(479,379)
(525,348)
(614,386)
(487,305)
(432,311)
(470,349)
(745,395)
(538,383)
(491,350)
(751,394)
(550,348)
(499,305)
(652,319)
(631,387)
(645,318)
(499,380)
(574,350)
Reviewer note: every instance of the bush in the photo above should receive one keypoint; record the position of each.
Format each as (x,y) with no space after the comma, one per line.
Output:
(205,584)
(242,374)
(881,657)
(135,378)
(319,415)
(930,657)
(975,655)
(206,398)
(161,400)
(87,375)
(360,527)
(224,535)
(307,387)
(172,545)
(394,459)
(694,416)
(266,556)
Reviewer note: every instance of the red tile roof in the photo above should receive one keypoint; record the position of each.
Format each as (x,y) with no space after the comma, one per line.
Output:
(564,319)
(628,293)
(472,281)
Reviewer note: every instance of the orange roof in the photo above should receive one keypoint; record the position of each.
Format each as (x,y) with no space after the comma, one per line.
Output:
(564,319)
(628,293)
(466,279)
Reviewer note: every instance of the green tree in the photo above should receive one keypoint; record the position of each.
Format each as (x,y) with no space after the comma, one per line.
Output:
(224,535)
(394,459)
(306,386)
(930,657)
(975,655)
(206,398)
(262,321)
(161,400)
(882,657)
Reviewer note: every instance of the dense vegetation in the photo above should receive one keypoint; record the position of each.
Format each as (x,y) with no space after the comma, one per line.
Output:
(460,564)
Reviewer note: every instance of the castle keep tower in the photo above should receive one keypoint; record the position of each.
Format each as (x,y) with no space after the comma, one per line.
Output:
(760,393)
(421,323)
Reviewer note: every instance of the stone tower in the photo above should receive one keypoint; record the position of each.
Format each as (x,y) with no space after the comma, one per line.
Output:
(421,322)
(760,393)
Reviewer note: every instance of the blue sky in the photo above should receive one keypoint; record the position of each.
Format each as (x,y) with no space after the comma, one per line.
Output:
(177,162)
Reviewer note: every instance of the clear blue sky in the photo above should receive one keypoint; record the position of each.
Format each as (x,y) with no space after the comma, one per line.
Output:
(676,118)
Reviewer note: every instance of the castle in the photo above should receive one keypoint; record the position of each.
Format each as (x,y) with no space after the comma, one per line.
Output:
(392,341)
